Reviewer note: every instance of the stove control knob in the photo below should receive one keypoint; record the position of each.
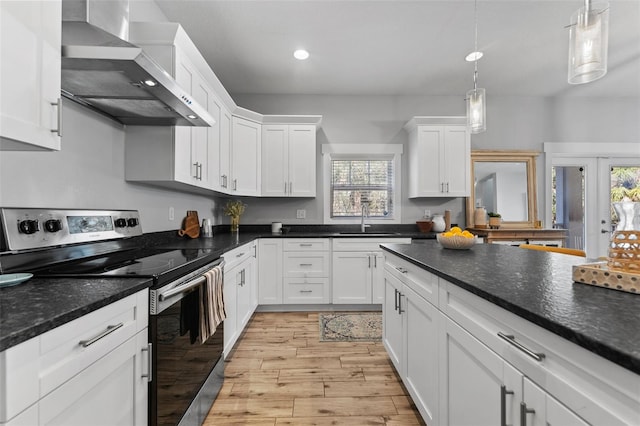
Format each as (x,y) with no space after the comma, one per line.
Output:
(132,221)
(53,225)
(120,223)
(28,226)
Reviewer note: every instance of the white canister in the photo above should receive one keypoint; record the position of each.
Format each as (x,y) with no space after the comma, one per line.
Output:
(207,232)
(438,223)
(276,227)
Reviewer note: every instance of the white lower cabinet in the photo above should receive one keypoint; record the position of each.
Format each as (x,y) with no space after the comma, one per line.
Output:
(465,361)
(92,370)
(306,271)
(240,291)
(358,269)
(410,326)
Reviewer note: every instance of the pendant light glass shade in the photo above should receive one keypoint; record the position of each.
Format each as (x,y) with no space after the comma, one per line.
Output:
(588,43)
(476,110)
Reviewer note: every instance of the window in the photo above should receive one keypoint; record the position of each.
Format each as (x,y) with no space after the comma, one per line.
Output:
(355,183)
(361,174)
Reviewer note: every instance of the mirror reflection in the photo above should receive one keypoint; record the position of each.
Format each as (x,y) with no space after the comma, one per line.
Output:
(502,187)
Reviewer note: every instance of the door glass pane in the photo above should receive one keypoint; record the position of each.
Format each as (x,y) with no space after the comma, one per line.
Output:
(625,184)
(568,203)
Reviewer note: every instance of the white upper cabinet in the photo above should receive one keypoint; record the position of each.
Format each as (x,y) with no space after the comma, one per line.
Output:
(289,160)
(30,47)
(439,157)
(245,157)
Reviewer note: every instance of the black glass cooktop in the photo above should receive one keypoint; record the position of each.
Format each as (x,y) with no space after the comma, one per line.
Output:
(161,265)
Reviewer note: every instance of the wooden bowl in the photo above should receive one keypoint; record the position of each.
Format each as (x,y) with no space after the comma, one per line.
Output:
(456,242)
(424,225)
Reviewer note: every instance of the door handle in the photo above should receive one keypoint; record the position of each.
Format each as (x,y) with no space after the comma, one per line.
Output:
(400,311)
(503,404)
(58,129)
(149,373)
(523,413)
(604,231)
(396,297)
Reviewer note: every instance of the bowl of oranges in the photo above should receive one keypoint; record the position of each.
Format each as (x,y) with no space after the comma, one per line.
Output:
(456,239)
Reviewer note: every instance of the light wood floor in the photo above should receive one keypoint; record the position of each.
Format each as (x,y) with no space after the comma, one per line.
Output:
(281,374)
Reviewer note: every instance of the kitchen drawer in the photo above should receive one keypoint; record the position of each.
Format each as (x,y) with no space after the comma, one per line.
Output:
(239,254)
(72,347)
(306,290)
(306,244)
(595,389)
(306,264)
(422,282)
(365,244)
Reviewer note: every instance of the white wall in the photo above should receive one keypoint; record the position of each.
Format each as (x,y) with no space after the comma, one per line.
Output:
(512,123)
(88,172)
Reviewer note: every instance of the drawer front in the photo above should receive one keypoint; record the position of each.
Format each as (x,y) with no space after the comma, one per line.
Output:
(306,290)
(306,264)
(239,254)
(310,244)
(365,244)
(422,282)
(70,348)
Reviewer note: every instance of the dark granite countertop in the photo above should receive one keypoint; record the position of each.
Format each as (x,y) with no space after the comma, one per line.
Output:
(538,287)
(41,304)
(52,302)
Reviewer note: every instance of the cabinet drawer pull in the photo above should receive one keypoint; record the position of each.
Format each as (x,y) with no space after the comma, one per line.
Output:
(306,291)
(306,244)
(240,255)
(401,269)
(523,413)
(148,374)
(510,338)
(306,264)
(503,404)
(110,329)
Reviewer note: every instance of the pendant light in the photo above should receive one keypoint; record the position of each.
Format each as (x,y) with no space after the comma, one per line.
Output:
(588,42)
(476,98)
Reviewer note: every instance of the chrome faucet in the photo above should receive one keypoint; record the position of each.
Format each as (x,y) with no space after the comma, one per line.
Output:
(365,212)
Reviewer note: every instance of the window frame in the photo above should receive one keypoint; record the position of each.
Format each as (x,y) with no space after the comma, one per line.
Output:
(362,152)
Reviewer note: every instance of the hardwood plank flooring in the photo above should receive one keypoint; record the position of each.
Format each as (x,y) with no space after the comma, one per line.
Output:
(281,374)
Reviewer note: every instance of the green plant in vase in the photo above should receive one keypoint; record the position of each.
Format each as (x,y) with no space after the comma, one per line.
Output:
(234,209)
(495,220)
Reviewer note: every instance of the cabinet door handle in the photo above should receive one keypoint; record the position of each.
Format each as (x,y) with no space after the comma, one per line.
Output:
(290,188)
(200,171)
(447,186)
(441,186)
(285,188)
(523,413)
(510,338)
(195,175)
(375,261)
(369,257)
(503,404)
(400,311)
(396,297)
(58,129)
(235,184)
(149,373)
(110,329)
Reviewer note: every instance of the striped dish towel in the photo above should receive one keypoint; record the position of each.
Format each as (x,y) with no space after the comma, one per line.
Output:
(212,311)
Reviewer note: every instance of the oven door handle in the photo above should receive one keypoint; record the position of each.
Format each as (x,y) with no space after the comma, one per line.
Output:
(186,286)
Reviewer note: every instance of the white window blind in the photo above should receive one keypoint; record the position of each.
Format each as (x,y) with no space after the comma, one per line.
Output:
(355,182)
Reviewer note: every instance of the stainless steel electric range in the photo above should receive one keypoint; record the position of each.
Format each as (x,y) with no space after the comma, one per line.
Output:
(186,374)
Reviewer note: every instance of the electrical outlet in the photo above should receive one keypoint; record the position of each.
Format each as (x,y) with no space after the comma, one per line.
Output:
(427,213)
(172,215)
(301,214)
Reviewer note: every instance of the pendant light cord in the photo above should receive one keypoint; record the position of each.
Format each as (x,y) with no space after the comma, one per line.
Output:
(475,20)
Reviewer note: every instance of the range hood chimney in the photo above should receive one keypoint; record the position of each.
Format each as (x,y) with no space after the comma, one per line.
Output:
(105,73)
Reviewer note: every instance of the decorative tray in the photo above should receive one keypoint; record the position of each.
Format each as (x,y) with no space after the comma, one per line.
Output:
(600,275)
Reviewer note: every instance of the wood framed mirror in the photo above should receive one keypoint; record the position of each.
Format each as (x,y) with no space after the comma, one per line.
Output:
(504,181)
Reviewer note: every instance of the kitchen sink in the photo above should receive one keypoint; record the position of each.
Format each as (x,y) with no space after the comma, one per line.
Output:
(368,234)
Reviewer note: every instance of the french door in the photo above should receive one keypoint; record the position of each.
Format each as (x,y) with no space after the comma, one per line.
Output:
(581,186)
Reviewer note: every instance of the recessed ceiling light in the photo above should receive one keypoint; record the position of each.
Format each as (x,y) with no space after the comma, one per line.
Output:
(301,54)
(150,83)
(473,56)
(191,116)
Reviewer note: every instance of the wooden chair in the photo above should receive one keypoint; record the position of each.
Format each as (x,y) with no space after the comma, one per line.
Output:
(565,250)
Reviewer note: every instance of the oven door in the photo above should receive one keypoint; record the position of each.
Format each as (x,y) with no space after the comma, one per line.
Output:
(184,381)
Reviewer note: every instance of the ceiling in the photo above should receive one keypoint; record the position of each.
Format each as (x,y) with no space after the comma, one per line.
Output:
(400,47)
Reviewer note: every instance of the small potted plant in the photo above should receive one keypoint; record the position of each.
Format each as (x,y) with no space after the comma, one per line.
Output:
(234,209)
(495,219)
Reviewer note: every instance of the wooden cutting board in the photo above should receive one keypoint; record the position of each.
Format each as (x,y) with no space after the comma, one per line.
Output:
(190,225)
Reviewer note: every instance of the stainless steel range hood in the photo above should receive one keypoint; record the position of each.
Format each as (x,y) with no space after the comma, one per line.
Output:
(114,77)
